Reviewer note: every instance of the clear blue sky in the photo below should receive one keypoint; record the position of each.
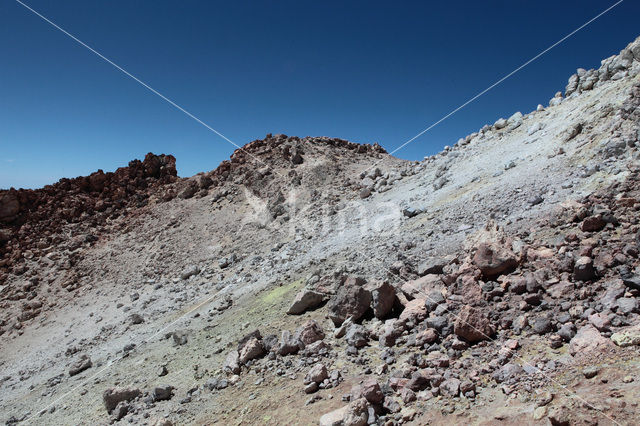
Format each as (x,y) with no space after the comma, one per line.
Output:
(366,71)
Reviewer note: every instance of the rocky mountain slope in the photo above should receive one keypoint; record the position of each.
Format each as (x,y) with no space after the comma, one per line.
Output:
(496,281)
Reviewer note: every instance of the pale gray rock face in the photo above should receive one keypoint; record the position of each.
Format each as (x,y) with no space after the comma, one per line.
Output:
(535,127)
(500,124)
(572,85)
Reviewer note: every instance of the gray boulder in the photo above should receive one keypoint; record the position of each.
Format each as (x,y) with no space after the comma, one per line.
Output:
(305,299)
(112,396)
(383,297)
(351,300)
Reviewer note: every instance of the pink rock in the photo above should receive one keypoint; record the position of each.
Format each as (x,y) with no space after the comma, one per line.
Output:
(310,332)
(317,374)
(252,349)
(415,310)
(421,287)
(426,336)
(600,321)
(494,260)
(588,339)
(472,325)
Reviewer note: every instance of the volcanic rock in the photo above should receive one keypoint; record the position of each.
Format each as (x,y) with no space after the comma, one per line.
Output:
(472,325)
(494,260)
(305,299)
(351,300)
(112,396)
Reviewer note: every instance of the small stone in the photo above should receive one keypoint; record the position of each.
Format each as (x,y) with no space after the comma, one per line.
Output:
(232,362)
(252,349)
(542,326)
(357,336)
(317,374)
(507,372)
(310,332)
(590,372)
(162,393)
(628,337)
(365,192)
(544,398)
(189,272)
(288,343)
(383,297)
(450,387)
(410,212)
(179,338)
(82,364)
(627,305)
(311,388)
(370,390)
(587,339)
(136,319)
(494,260)
(407,395)
(583,269)
(500,123)
(351,300)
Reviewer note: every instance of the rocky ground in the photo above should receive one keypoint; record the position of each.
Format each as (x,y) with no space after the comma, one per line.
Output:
(315,280)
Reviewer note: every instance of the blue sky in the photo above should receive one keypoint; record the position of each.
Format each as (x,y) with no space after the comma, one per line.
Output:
(366,71)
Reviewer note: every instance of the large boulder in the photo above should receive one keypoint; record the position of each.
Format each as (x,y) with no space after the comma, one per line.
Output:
(309,332)
(305,299)
(252,349)
(357,413)
(232,363)
(627,337)
(113,396)
(432,265)
(494,260)
(383,297)
(369,390)
(415,310)
(588,339)
(351,300)
(473,325)
(289,344)
(422,286)
(317,374)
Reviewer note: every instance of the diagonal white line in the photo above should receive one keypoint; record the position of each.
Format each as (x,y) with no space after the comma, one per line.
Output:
(142,83)
(505,77)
